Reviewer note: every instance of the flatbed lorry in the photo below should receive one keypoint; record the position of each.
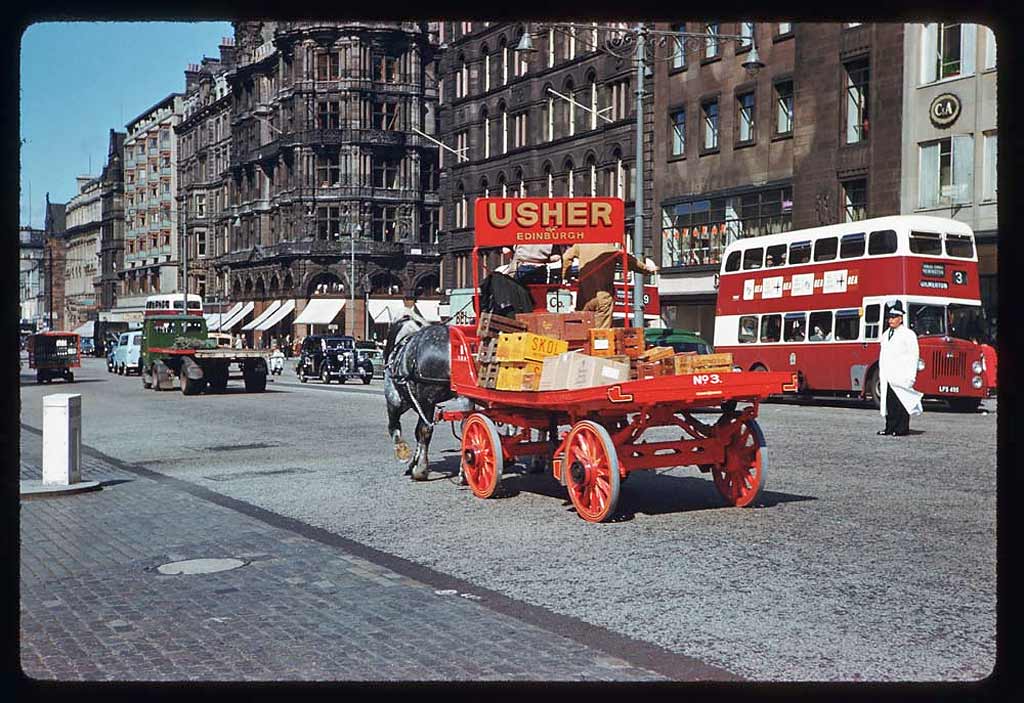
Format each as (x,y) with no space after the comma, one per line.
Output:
(176,353)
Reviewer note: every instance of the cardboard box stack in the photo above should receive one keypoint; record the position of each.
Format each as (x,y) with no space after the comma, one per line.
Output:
(557,351)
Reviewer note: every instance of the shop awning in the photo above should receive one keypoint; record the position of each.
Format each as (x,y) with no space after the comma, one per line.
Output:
(86,329)
(429,310)
(385,311)
(271,309)
(214,319)
(278,315)
(237,317)
(320,311)
(460,307)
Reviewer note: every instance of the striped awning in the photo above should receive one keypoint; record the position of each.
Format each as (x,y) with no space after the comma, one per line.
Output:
(278,315)
(237,317)
(429,310)
(320,311)
(215,319)
(271,309)
(386,311)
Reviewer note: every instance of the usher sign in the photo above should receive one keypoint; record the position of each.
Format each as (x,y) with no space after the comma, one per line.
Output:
(558,221)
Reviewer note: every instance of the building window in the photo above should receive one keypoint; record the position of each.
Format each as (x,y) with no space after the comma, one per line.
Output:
(784,108)
(383,222)
(948,51)
(327,115)
(570,111)
(678,48)
(747,32)
(385,68)
(328,171)
(504,129)
(327,66)
(593,102)
(947,171)
(487,71)
(570,181)
(785,28)
(746,109)
(384,116)
(571,39)
(462,145)
(328,223)
(551,47)
(462,78)
(201,243)
(855,199)
(519,131)
(991,183)
(711,43)
(679,133)
(857,100)
(619,97)
(710,110)
(385,173)
(549,117)
(487,134)
(504,62)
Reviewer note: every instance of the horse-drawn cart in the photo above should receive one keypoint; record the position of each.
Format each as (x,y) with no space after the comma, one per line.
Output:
(594,437)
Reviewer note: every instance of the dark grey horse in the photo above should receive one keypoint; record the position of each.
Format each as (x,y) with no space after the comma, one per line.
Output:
(417,376)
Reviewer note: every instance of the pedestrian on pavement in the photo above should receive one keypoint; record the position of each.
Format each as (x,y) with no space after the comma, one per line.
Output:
(897,369)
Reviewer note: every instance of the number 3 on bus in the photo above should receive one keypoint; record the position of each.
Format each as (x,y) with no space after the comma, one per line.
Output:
(814,301)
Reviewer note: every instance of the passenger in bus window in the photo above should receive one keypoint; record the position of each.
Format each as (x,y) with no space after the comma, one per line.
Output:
(748,329)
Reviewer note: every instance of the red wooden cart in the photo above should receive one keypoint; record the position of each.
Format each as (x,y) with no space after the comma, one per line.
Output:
(595,436)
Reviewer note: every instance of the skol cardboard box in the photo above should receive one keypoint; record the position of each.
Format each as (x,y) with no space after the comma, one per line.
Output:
(555,372)
(526,346)
(588,371)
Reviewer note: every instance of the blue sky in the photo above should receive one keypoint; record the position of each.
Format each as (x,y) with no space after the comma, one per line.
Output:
(80,79)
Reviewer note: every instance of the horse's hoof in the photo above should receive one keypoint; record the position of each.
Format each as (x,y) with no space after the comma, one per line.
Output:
(402,451)
(418,475)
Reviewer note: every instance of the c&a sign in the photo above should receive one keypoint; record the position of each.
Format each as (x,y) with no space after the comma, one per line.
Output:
(558,221)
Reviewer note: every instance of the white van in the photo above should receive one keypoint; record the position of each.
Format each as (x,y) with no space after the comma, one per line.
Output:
(126,356)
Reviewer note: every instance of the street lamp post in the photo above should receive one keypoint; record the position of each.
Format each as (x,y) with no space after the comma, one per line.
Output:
(618,41)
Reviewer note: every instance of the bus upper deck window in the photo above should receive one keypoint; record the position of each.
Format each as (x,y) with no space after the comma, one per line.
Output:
(960,246)
(799,252)
(733,262)
(882,242)
(753,258)
(925,243)
(776,256)
(825,248)
(851,246)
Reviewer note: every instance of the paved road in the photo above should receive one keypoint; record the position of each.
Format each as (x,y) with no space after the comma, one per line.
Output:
(869,558)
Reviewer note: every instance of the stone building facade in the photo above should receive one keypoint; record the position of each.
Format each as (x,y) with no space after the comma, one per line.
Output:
(112,224)
(84,222)
(808,140)
(950,136)
(327,166)
(151,241)
(31,278)
(519,139)
(204,156)
(53,257)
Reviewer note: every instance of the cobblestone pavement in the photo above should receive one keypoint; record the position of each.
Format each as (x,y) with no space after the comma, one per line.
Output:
(94,608)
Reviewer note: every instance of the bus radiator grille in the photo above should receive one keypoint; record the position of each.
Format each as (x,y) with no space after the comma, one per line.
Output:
(947,364)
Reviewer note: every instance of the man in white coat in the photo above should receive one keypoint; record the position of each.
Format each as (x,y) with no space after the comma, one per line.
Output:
(897,370)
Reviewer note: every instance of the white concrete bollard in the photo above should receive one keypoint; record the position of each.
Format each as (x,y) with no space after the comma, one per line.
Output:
(62,439)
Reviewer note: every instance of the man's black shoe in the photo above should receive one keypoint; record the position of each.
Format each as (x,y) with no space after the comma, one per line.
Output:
(882,432)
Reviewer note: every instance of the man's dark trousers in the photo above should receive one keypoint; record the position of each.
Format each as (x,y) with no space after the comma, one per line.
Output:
(897,419)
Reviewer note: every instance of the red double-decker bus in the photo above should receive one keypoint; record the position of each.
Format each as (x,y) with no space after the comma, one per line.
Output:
(814,301)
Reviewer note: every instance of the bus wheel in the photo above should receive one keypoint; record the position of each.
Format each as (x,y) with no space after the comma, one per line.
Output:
(874,388)
(758,367)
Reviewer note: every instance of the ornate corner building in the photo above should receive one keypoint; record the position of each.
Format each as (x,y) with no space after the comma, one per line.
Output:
(328,188)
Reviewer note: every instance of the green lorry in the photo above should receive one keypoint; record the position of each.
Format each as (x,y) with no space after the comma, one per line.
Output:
(176,352)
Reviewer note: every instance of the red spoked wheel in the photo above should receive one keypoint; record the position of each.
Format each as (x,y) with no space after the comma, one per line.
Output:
(592,471)
(741,478)
(482,459)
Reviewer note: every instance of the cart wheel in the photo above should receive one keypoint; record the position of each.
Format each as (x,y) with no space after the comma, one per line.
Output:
(482,458)
(741,478)
(147,381)
(592,467)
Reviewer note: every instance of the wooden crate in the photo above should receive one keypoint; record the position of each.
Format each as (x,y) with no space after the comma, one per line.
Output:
(632,342)
(657,354)
(526,346)
(547,324)
(488,350)
(604,341)
(487,374)
(492,325)
(689,362)
(655,369)
(576,326)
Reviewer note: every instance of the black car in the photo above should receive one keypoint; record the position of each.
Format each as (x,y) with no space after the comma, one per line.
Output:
(332,357)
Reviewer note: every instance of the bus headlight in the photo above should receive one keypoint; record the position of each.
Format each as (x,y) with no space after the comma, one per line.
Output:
(737,368)
(977,367)
(976,382)
(920,364)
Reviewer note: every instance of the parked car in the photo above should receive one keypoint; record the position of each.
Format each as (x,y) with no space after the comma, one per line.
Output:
(223,339)
(111,346)
(332,357)
(376,357)
(126,356)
